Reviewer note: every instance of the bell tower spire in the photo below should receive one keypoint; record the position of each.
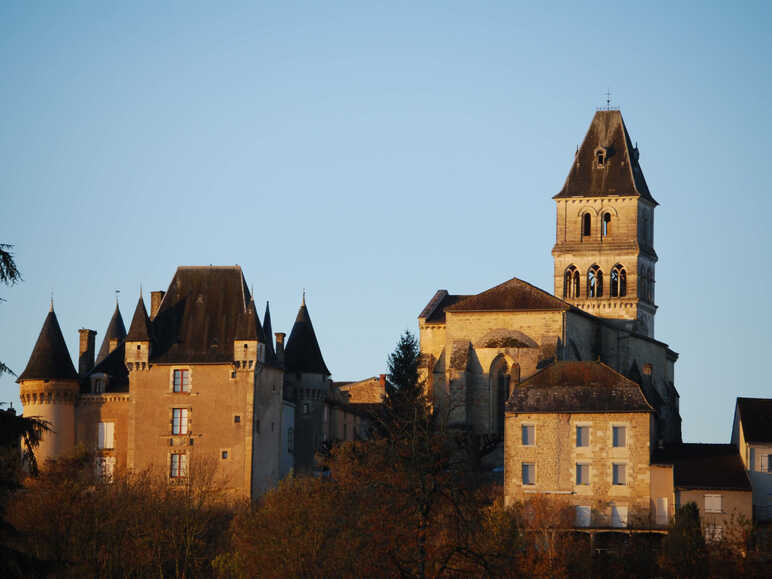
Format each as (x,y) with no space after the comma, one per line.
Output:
(604,246)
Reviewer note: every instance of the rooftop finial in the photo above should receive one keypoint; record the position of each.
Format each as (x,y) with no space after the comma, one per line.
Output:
(304,296)
(608,99)
(116,296)
(51,309)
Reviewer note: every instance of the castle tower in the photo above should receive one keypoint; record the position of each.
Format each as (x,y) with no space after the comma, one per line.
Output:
(306,382)
(138,339)
(49,388)
(604,248)
(115,334)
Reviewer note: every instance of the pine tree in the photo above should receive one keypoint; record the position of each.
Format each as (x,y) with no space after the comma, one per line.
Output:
(406,403)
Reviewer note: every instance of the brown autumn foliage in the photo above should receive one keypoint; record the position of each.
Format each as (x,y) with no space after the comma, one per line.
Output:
(136,525)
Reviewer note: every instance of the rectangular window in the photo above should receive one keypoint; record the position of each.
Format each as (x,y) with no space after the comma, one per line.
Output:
(179,420)
(618,516)
(662,515)
(529,473)
(583,516)
(582,436)
(307,408)
(106,435)
(178,466)
(181,381)
(619,474)
(105,467)
(619,436)
(527,434)
(713,503)
(582,474)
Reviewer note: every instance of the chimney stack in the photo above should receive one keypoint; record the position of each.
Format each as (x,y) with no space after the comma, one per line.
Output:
(155,303)
(86,351)
(280,347)
(113,344)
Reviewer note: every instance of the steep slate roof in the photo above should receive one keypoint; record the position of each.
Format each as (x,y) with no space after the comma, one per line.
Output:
(50,359)
(139,330)
(302,353)
(115,331)
(621,174)
(114,366)
(199,315)
(514,294)
(578,387)
(756,418)
(270,353)
(704,466)
(248,326)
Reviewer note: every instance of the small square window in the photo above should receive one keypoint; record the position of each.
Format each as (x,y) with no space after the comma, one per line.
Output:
(713,503)
(582,436)
(527,434)
(582,474)
(224,454)
(529,473)
(619,436)
(237,419)
(139,346)
(619,474)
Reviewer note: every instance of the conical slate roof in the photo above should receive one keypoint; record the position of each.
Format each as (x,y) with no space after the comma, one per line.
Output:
(139,331)
(270,353)
(50,359)
(115,331)
(620,173)
(302,353)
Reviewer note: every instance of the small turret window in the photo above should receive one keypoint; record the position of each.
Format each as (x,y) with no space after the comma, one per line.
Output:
(586,225)
(601,158)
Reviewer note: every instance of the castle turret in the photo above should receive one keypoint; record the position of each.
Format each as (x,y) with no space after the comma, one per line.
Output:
(307,383)
(270,353)
(115,334)
(49,388)
(138,339)
(246,346)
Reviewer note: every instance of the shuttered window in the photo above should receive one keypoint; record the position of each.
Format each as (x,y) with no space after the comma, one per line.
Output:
(619,435)
(106,435)
(582,474)
(527,434)
(582,436)
(713,503)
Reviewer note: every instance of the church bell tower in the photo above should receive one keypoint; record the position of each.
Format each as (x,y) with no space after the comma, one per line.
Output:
(604,246)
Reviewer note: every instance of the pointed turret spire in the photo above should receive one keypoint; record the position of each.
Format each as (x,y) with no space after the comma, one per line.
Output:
(50,359)
(116,330)
(268,334)
(139,331)
(303,353)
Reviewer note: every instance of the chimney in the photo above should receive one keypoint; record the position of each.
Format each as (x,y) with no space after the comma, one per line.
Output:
(113,344)
(86,351)
(155,302)
(280,346)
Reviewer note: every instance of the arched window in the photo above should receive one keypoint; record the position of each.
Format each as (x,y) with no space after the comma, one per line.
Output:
(618,281)
(594,282)
(605,226)
(571,282)
(586,225)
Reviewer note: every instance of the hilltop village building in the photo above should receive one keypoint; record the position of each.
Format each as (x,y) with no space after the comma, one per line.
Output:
(197,379)
(572,386)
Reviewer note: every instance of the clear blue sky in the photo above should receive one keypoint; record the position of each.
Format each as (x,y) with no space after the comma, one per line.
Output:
(376,152)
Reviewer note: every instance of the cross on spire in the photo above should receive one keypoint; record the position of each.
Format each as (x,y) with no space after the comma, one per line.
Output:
(608,99)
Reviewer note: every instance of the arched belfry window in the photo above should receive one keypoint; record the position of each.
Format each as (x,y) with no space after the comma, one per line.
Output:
(571,282)
(605,225)
(618,281)
(594,282)
(586,225)
(600,157)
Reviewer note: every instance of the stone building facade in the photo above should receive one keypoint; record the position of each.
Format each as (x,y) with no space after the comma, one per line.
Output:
(198,379)
(476,348)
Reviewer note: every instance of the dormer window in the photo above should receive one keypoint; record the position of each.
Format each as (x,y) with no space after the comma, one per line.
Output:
(600,157)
